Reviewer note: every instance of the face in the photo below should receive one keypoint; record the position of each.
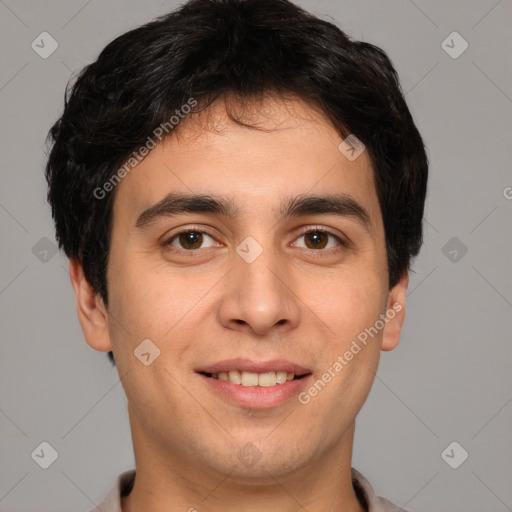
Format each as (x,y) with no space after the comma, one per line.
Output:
(273,277)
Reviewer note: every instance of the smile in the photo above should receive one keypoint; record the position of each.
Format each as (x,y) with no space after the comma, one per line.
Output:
(252,379)
(251,384)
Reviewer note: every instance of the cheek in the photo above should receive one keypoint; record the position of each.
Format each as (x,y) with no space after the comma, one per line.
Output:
(350,302)
(349,356)
(148,301)
(135,311)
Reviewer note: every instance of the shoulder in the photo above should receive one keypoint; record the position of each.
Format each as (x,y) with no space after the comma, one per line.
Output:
(367,496)
(122,486)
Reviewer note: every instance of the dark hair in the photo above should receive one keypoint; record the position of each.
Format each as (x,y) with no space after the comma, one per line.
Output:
(210,49)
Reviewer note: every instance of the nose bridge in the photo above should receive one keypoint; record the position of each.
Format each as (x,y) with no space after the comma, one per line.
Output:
(258,271)
(258,297)
(260,276)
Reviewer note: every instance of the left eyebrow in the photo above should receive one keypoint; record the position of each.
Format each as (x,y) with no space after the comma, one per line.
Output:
(341,205)
(299,206)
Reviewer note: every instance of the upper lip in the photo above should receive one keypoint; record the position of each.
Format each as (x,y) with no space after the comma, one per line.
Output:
(248,365)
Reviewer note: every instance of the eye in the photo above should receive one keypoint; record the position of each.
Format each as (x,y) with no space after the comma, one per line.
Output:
(190,240)
(319,239)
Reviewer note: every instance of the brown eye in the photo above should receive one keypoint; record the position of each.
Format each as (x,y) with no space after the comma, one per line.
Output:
(320,240)
(316,239)
(190,240)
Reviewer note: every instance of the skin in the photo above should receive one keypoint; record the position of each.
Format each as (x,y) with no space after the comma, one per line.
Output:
(294,302)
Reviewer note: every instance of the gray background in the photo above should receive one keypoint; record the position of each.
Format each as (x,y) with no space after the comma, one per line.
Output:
(449,379)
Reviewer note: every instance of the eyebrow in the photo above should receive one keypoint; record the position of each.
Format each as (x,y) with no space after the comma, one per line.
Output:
(299,206)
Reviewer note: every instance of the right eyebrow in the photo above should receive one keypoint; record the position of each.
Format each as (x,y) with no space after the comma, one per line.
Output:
(173,204)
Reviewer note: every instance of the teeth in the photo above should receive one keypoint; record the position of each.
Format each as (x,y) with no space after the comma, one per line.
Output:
(251,379)
(235,377)
(265,380)
(282,377)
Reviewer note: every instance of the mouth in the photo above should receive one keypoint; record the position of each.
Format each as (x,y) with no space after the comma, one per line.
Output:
(253,379)
(255,385)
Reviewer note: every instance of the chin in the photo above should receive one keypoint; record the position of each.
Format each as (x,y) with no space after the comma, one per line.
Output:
(260,461)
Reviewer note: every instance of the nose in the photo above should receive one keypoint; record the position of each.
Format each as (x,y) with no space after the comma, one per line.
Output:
(259,297)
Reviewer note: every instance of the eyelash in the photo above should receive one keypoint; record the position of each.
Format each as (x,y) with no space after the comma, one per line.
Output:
(342,243)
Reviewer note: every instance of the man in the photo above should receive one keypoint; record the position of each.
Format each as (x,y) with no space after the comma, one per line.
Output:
(240,189)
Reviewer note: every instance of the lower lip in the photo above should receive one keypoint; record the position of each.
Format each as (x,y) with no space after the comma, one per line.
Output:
(256,397)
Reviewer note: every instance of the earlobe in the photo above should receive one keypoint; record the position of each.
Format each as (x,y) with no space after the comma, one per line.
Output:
(91,310)
(395,314)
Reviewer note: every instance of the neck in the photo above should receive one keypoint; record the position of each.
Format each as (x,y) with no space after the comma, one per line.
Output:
(176,482)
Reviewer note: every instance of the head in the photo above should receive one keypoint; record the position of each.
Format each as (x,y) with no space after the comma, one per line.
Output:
(224,120)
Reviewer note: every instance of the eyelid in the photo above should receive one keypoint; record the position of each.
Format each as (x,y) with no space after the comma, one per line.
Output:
(342,239)
(167,239)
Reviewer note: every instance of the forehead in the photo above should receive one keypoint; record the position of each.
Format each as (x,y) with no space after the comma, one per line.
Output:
(281,148)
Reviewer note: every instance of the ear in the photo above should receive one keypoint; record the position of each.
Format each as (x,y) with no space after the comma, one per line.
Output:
(91,310)
(395,313)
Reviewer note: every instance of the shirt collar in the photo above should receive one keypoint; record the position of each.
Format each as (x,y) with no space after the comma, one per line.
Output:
(364,492)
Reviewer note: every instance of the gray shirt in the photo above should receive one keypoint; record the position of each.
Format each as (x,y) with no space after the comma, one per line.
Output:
(371,502)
